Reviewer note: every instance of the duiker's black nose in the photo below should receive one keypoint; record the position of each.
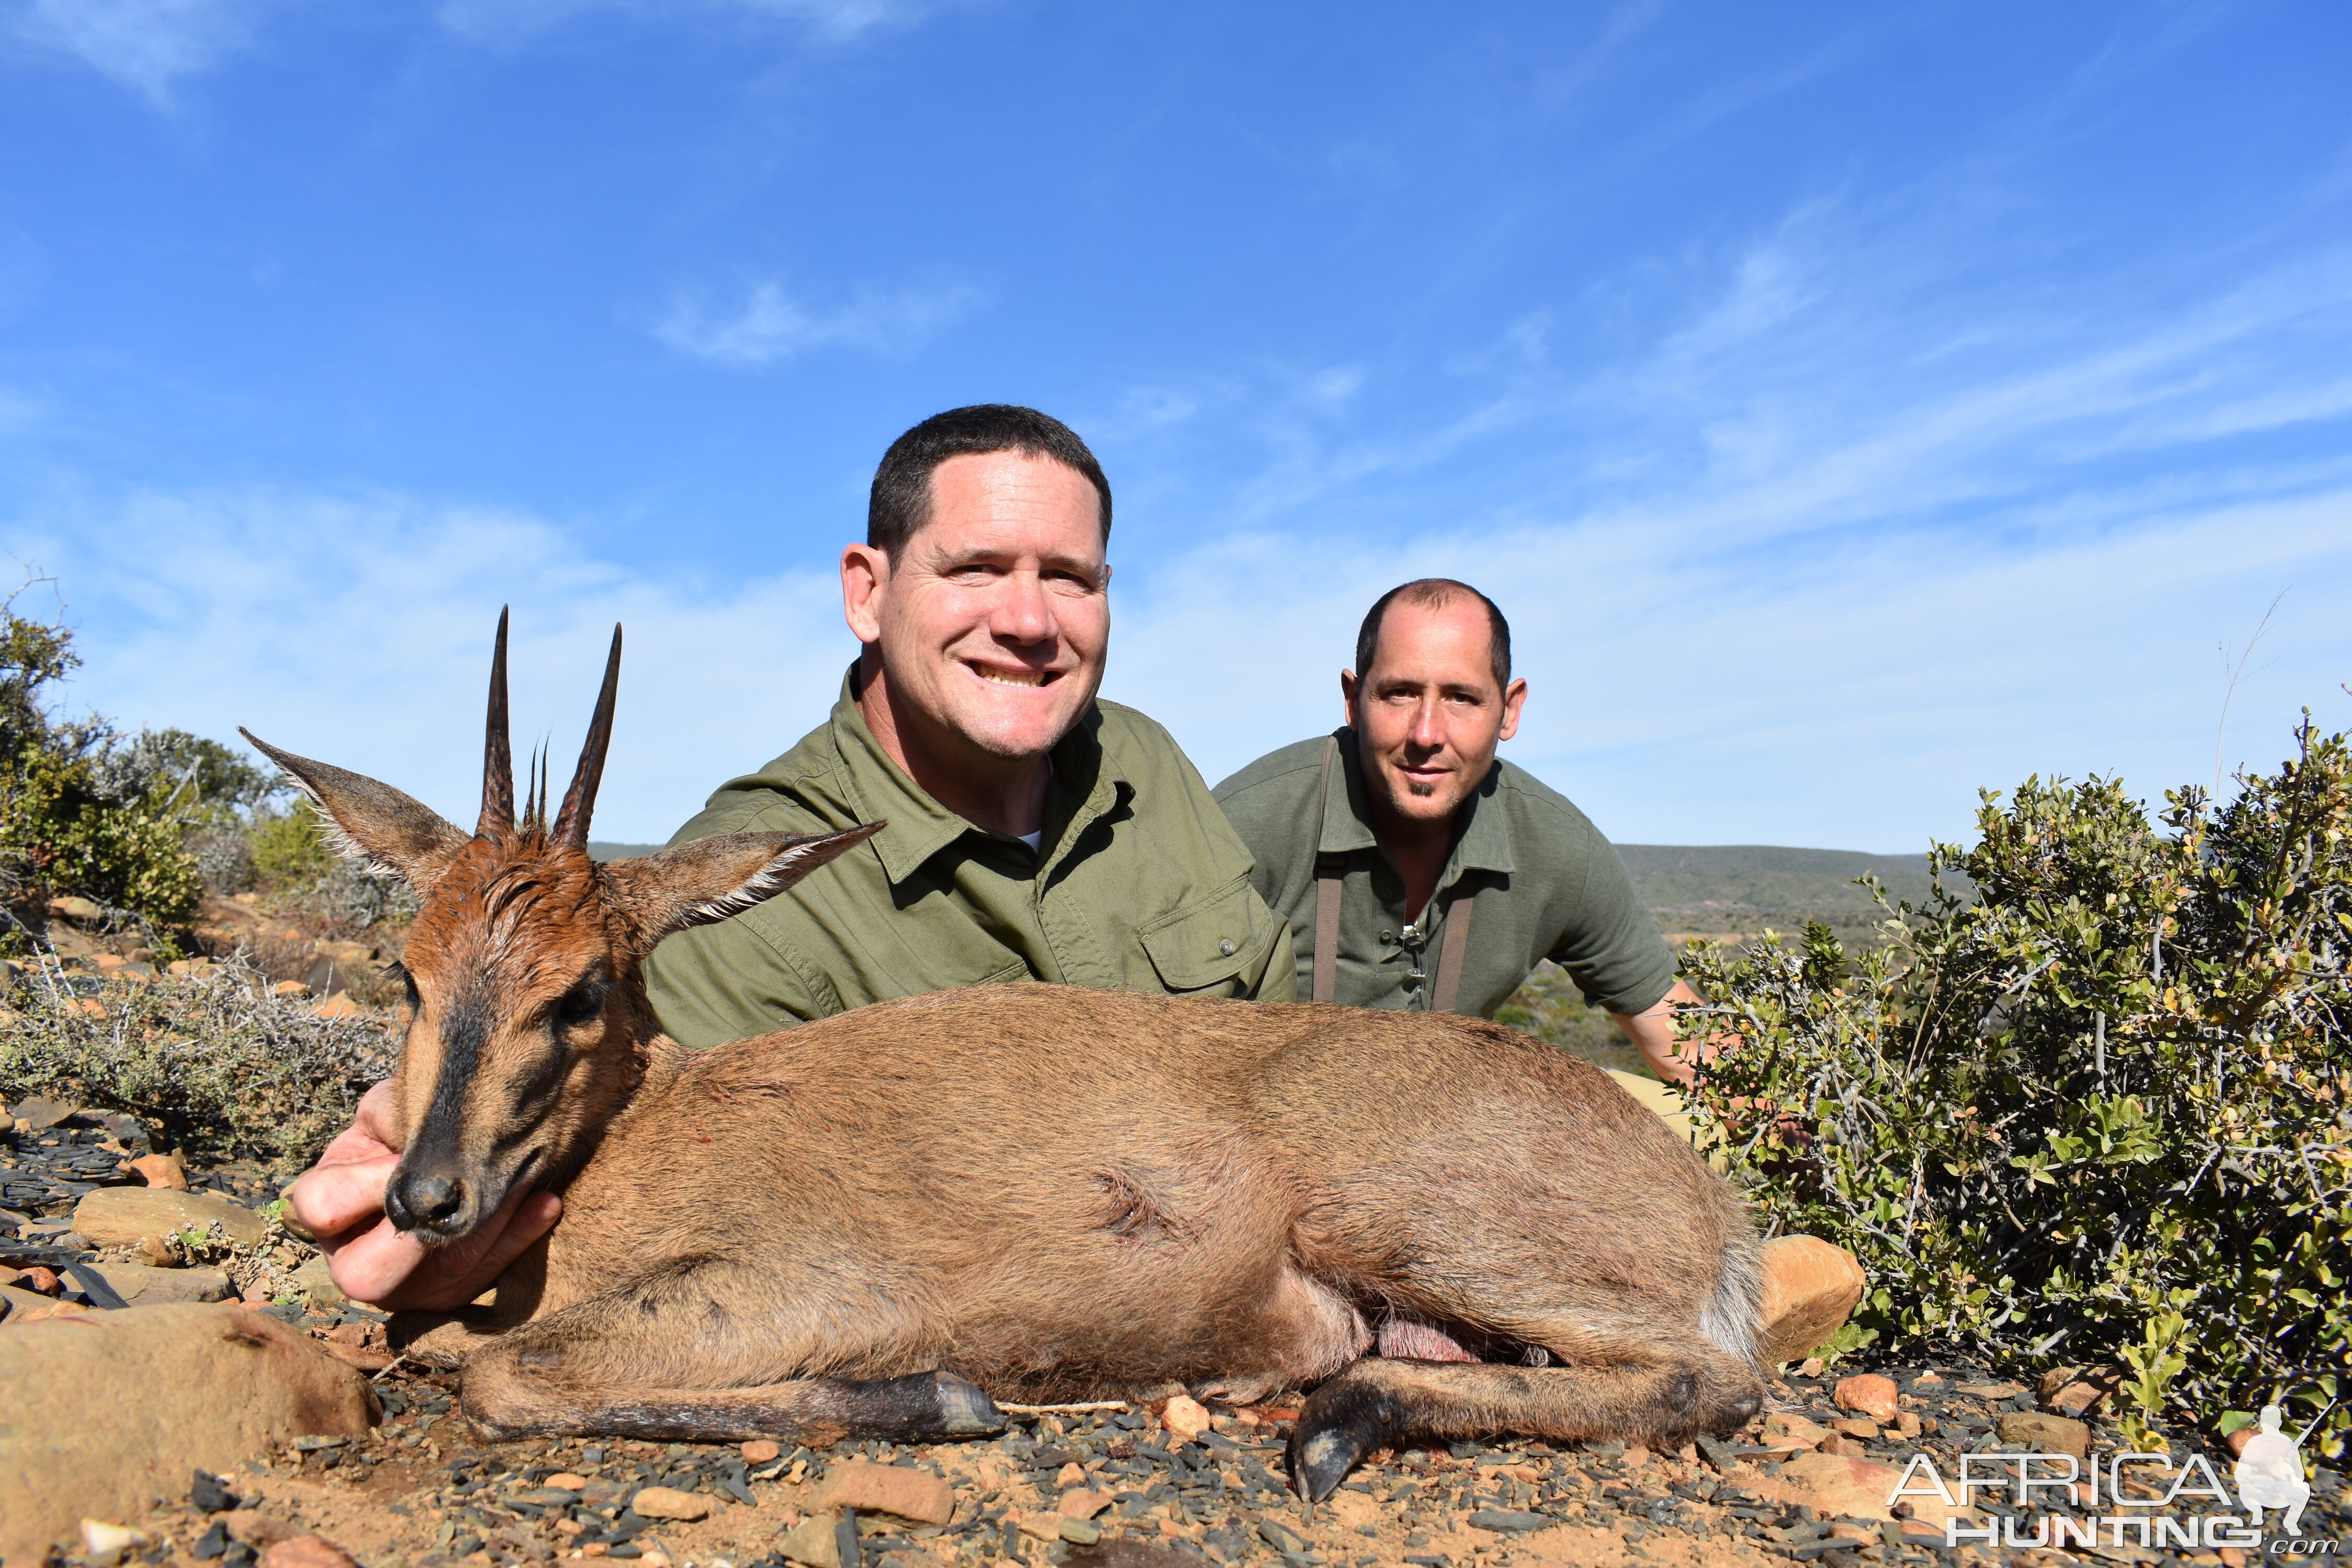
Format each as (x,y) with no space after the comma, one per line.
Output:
(423,1199)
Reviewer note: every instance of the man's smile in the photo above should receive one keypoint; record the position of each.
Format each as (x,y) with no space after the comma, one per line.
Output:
(1001,677)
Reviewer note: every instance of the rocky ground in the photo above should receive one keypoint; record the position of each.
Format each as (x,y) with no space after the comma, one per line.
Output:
(92,1219)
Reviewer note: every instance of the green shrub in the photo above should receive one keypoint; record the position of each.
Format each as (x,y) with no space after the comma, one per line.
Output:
(72,821)
(2097,1114)
(290,850)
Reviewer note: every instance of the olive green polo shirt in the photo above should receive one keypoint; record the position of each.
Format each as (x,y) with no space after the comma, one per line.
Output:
(1138,884)
(1548,885)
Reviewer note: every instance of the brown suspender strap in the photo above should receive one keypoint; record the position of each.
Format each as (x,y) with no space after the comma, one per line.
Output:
(1329,870)
(1449,956)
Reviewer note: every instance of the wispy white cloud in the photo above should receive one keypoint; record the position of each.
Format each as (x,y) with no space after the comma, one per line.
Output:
(146,46)
(510,21)
(356,628)
(768,324)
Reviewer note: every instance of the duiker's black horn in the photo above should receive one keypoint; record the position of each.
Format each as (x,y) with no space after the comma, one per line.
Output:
(497,757)
(579,800)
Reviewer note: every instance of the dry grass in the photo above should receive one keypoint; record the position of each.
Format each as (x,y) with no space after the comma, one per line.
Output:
(224,1068)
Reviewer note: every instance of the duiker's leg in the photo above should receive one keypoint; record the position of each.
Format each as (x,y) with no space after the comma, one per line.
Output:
(705,1354)
(1665,1397)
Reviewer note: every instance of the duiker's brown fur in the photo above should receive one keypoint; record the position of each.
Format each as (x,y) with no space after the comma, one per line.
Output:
(1049,1193)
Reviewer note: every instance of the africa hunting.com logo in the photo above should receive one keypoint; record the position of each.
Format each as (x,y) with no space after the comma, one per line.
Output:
(2269,1474)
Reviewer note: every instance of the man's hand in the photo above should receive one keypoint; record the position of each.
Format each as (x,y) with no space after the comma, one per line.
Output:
(341,1201)
(1653,1032)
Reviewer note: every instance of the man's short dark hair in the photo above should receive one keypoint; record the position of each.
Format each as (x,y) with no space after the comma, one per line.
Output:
(900,502)
(1436,593)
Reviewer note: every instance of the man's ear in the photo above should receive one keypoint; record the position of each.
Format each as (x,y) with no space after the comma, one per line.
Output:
(710,879)
(374,822)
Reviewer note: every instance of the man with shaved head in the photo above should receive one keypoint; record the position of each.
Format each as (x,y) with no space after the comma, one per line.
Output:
(1416,869)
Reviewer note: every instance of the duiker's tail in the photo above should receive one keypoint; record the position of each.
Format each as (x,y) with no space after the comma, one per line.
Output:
(1733,1316)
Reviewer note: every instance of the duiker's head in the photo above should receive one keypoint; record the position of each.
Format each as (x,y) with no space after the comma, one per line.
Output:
(524,1027)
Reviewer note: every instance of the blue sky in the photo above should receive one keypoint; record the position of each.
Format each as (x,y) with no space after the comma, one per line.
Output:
(1852,406)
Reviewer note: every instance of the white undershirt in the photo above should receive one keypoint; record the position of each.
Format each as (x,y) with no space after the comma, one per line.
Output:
(1032,839)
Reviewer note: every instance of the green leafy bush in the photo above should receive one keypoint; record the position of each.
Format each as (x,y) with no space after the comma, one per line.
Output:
(289,849)
(2097,1113)
(72,819)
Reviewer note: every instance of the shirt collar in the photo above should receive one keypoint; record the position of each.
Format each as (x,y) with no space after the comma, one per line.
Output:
(1483,843)
(1085,782)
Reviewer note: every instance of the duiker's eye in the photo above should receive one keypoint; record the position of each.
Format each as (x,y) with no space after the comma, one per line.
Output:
(580,1004)
(399,972)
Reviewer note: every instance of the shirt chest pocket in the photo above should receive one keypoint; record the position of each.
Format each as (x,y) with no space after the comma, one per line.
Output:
(1212,941)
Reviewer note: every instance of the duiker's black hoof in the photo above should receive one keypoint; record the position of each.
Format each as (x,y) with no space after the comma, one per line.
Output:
(965,1409)
(1342,1421)
(924,1407)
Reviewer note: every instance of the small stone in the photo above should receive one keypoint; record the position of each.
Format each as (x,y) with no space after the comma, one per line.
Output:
(1836,1443)
(1857,1427)
(119,1216)
(99,1536)
(565,1481)
(141,1286)
(1079,1532)
(307,1552)
(1788,1431)
(1905,1423)
(815,1542)
(1813,1366)
(2076,1399)
(75,908)
(1082,1504)
(42,1280)
(315,1283)
(668,1502)
(1636,1456)
(1184,1417)
(292,988)
(340,1006)
(1042,1526)
(1810,1287)
(2236,1441)
(1866,1393)
(1070,1475)
(1995,1392)
(759,1450)
(886,1489)
(2045,1433)
(255,1528)
(1280,1536)
(38,1115)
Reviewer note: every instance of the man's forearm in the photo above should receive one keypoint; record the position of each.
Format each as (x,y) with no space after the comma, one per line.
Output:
(1654,1033)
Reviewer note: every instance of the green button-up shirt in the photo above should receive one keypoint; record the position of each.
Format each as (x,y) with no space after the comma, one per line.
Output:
(1138,884)
(1548,885)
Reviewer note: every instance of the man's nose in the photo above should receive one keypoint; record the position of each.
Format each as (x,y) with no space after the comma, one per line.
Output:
(1023,611)
(1427,733)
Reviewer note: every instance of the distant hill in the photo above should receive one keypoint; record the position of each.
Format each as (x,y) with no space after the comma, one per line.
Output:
(1741,886)
(1715,887)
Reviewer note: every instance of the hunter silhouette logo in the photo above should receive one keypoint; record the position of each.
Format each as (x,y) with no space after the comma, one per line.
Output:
(2270,1473)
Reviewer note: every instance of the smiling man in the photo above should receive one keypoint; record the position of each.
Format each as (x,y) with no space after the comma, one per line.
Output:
(1034,832)
(1416,869)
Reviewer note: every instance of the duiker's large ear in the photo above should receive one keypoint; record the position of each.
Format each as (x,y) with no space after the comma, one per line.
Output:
(392,832)
(710,879)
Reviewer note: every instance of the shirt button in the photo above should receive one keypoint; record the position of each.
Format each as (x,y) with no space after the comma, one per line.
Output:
(1388,936)
(1226,947)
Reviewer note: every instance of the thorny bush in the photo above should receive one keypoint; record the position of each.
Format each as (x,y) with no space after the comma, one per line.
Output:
(2098,1113)
(222,1066)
